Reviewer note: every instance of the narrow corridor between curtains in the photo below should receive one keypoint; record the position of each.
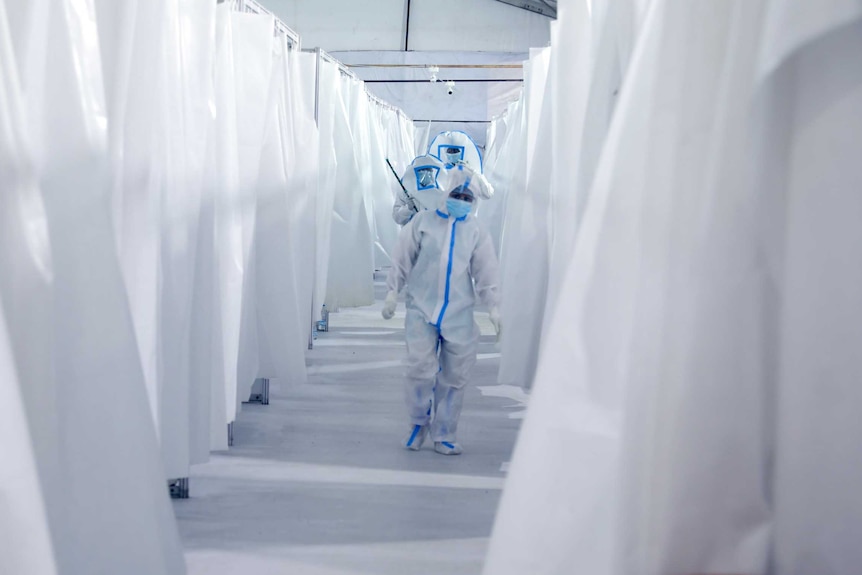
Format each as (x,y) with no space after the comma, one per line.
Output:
(316,482)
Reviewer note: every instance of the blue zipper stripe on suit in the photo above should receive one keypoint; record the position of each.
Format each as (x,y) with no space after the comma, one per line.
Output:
(448,275)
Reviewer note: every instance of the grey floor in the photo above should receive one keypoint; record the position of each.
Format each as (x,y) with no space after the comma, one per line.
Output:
(317,483)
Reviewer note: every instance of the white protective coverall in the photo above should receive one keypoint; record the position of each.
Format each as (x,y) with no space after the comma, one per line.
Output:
(444,262)
(425,180)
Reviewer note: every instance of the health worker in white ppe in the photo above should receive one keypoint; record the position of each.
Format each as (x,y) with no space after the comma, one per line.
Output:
(452,147)
(421,188)
(445,259)
(456,148)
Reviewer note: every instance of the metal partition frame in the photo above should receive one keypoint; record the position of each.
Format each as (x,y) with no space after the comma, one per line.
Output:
(345,70)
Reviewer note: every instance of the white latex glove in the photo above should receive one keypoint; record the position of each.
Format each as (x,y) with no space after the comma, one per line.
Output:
(494,316)
(411,203)
(389,305)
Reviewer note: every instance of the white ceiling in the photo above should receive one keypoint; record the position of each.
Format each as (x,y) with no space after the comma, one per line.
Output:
(484,83)
(459,25)
(441,32)
(544,7)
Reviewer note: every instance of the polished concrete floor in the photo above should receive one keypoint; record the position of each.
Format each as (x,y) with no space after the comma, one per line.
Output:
(317,483)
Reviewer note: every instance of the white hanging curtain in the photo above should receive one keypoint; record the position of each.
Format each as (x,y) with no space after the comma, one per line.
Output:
(188,48)
(381,181)
(350,281)
(399,149)
(693,403)
(328,91)
(158,114)
(284,230)
(73,342)
(527,242)
(25,546)
(25,535)
(303,164)
(504,158)
(362,127)
(191,249)
(226,233)
(253,70)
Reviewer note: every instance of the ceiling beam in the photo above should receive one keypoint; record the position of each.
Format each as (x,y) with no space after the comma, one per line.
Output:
(544,7)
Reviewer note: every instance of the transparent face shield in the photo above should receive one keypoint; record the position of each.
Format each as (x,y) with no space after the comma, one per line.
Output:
(426,177)
(451,155)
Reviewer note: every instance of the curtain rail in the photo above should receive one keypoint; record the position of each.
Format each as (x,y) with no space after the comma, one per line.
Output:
(324,55)
(253,7)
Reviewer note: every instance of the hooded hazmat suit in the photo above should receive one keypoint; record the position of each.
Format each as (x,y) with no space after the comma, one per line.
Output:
(424,179)
(444,262)
(456,146)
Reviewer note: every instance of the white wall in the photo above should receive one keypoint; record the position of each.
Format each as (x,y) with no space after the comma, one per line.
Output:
(461,25)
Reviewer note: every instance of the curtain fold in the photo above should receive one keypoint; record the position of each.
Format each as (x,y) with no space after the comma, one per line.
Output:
(691,405)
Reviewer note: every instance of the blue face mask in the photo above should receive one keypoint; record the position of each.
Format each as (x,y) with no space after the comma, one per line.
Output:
(458,208)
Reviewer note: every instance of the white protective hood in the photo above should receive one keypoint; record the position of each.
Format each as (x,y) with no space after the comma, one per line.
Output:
(469,151)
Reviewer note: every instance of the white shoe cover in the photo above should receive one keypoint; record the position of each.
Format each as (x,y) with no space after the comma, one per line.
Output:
(416,438)
(448,448)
